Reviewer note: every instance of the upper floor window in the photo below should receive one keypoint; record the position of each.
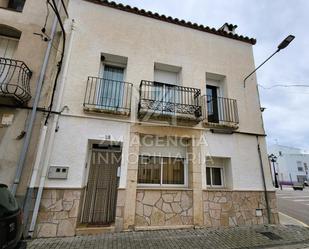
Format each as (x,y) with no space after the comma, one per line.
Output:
(110,92)
(8,47)
(299,166)
(17,5)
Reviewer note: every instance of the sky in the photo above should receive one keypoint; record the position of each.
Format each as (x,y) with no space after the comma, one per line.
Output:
(286,118)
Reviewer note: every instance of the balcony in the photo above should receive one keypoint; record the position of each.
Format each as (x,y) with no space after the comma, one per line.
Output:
(219,112)
(14,81)
(108,96)
(168,102)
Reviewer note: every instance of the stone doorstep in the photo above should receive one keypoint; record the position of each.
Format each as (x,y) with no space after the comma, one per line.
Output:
(80,231)
(172,227)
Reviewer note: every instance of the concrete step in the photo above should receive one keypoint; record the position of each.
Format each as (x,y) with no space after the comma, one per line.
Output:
(80,231)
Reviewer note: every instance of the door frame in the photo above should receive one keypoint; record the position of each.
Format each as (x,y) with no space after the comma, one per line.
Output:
(90,151)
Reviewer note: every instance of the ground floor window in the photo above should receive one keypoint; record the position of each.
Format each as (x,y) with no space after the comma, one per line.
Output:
(214,176)
(161,170)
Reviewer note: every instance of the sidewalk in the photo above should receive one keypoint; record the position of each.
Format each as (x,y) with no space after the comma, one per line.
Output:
(259,236)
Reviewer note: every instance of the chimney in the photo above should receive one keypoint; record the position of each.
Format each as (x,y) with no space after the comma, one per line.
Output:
(229,28)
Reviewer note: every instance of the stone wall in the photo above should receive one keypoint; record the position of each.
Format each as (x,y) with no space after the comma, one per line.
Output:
(232,208)
(58,213)
(163,208)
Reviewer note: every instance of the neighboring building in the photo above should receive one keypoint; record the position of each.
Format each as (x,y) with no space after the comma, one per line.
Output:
(159,130)
(21,57)
(292,164)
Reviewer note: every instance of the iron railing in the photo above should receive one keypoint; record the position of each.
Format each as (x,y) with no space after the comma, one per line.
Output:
(219,110)
(110,96)
(166,99)
(15,79)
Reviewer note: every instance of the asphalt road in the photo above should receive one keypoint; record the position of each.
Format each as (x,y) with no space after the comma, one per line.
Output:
(294,204)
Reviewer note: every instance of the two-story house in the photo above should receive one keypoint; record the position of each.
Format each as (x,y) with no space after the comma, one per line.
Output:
(158,130)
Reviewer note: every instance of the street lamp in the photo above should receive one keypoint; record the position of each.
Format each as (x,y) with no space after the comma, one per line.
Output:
(281,46)
(273,159)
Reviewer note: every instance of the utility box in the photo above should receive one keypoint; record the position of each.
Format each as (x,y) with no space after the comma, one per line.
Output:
(7,119)
(58,172)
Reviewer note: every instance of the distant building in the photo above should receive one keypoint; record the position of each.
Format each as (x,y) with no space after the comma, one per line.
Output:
(292,163)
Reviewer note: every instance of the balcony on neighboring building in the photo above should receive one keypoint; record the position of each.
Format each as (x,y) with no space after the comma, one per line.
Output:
(108,96)
(14,81)
(163,101)
(219,112)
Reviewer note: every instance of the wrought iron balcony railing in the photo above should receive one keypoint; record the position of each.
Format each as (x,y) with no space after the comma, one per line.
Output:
(15,80)
(219,110)
(108,96)
(164,100)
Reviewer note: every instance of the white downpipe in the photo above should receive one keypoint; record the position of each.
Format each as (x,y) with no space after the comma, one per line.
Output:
(38,157)
(50,142)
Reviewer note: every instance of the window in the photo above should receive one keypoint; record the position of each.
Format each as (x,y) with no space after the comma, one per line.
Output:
(166,77)
(111,87)
(161,170)
(299,166)
(214,176)
(7,47)
(212,103)
(300,169)
(17,5)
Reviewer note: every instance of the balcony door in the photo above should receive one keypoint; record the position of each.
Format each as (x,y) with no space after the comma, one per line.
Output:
(7,50)
(165,88)
(111,87)
(7,47)
(212,103)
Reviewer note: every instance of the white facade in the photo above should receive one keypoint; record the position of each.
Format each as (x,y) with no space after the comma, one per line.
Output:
(153,50)
(292,163)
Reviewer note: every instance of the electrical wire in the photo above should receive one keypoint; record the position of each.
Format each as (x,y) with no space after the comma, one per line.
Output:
(47,15)
(59,64)
(283,85)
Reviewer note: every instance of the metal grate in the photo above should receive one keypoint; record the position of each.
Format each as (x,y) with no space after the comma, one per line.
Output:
(271,235)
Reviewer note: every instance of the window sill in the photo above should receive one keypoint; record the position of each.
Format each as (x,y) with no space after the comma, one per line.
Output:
(163,188)
(217,189)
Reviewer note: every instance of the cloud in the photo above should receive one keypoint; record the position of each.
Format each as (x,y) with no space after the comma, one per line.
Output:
(287,116)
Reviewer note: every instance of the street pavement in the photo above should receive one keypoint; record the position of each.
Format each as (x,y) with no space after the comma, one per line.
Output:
(258,236)
(294,203)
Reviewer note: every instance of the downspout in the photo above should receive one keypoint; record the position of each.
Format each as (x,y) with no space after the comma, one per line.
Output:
(23,154)
(50,142)
(264,181)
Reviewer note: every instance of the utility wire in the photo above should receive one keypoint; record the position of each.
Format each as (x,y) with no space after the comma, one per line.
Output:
(59,65)
(283,85)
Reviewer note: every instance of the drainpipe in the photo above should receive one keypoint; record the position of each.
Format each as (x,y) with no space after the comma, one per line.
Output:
(23,154)
(264,181)
(49,146)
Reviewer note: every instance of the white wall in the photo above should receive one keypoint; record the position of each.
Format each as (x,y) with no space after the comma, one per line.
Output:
(71,146)
(245,163)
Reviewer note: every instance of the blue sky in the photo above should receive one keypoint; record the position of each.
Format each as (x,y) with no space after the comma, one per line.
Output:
(286,118)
